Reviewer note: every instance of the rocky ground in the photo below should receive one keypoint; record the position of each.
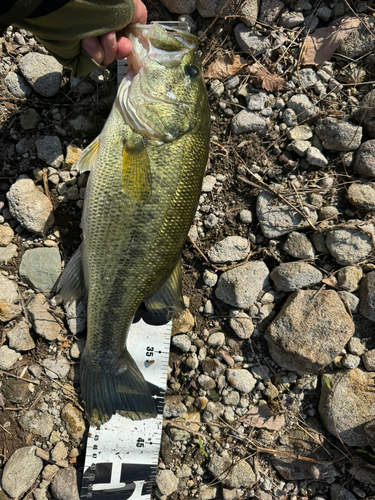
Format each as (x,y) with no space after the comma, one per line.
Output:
(271,395)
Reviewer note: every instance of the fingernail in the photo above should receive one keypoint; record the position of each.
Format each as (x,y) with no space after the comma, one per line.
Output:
(111,41)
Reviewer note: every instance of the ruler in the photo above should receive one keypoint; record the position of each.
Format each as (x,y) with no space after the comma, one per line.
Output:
(122,454)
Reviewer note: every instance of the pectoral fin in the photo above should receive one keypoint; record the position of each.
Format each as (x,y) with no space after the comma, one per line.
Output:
(71,284)
(136,172)
(167,299)
(88,156)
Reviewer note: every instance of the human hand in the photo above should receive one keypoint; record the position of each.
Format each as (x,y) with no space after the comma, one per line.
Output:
(106,48)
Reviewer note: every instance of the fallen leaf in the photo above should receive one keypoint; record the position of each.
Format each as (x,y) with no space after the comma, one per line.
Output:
(269,82)
(262,418)
(330,282)
(320,46)
(224,67)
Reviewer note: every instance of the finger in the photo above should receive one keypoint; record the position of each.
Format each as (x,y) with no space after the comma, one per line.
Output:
(94,49)
(140,13)
(124,47)
(109,44)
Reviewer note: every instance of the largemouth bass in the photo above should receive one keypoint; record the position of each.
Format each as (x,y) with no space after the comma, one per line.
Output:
(146,167)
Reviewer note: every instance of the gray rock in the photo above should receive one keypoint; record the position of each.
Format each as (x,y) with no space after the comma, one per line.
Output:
(299,133)
(19,337)
(356,346)
(310,331)
(256,102)
(348,245)
(241,324)
(40,423)
(216,339)
(277,218)
(316,157)
(208,184)
(345,406)
(350,300)
(302,106)
(76,316)
(300,147)
(73,420)
(348,278)
(30,119)
(56,368)
(173,407)
(231,471)
(365,159)
(324,13)
(59,452)
(20,471)
(64,485)
(77,348)
(308,77)
(211,221)
(338,492)
(29,206)
(44,323)
(246,121)
(26,145)
(6,235)
(240,287)
(182,342)
(17,85)
(166,481)
(246,216)
(362,195)
(7,357)
(8,253)
(209,278)
(365,114)
(249,12)
(367,296)
(359,41)
(231,248)
(42,72)
(350,361)
(180,6)
(206,382)
(292,19)
(328,213)
(291,276)
(368,359)
(270,11)
(213,367)
(241,379)
(50,151)
(40,268)
(250,41)
(192,361)
(289,117)
(299,246)
(8,298)
(337,135)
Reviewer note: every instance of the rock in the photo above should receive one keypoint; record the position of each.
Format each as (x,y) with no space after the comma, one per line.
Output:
(299,133)
(270,11)
(359,41)
(367,296)
(213,367)
(56,368)
(368,359)
(50,151)
(166,481)
(207,493)
(38,423)
(30,119)
(76,316)
(246,121)
(361,470)
(26,145)
(350,361)
(209,278)
(215,8)
(310,331)
(349,245)
(20,338)
(231,471)
(8,298)
(17,391)
(44,323)
(345,405)
(216,339)
(7,253)
(362,195)
(59,452)
(308,77)
(300,147)
(6,235)
(206,382)
(77,348)
(250,41)
(233,285)
(20,471)
(40,268)
(356,346)
(173,407)
(30,207)
(328,213)
(246,216)
(365,159)
(241,324)
(337,135)
(249,12)
(180,6)
(290,20)
(231,248)
(182,342)
(299,246)
(302,106)
(348,278)
(74,422)
(64,485)
(364,114)
(277,218)
(208,184)
(316,157)
(241,379)
(17,85)
(350,300)
(42,72)
(7,357)
(291,276)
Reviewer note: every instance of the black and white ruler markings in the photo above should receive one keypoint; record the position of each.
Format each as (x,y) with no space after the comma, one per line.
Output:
(122,454)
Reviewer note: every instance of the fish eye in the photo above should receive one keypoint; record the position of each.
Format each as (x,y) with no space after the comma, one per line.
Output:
(191,71)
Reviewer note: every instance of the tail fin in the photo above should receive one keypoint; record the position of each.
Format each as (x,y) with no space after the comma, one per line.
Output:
(108,388)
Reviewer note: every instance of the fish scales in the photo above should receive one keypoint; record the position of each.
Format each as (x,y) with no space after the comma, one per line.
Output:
(147,167)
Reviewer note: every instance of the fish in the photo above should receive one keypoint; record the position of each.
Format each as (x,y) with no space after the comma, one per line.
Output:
(146,171)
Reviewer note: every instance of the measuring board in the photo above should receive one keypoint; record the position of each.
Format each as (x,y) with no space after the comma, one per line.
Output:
(122,454)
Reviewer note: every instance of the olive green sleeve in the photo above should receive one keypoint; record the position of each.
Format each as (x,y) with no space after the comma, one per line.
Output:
(61,31)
